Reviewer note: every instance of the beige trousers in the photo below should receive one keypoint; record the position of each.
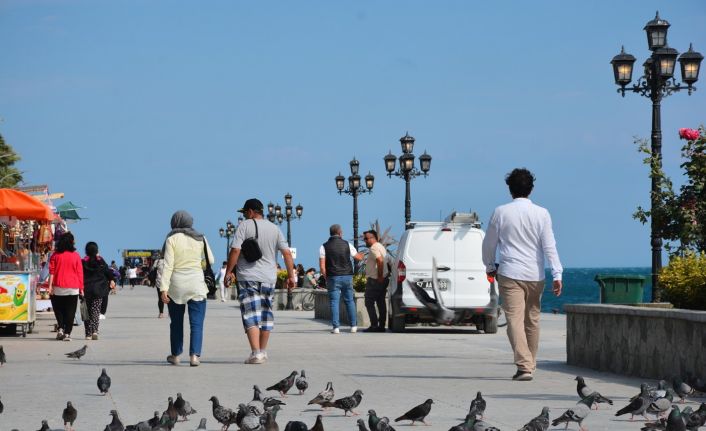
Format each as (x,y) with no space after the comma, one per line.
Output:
(521,304)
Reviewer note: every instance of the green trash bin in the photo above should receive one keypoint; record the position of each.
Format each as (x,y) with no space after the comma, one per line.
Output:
(621,289)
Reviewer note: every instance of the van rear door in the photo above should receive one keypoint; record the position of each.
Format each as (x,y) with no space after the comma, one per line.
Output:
(422,244)
(471,286)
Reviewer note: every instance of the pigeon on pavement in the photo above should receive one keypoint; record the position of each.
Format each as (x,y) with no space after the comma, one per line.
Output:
(477,406)
(583,390)
(661,406)
(78,353)
(576,414)
(270,423)
(284,385)
(301,383)
(296,426)
(2,407)
(251,421)
(202,425)
(417,413)
(3,358)
(170,416)
(69,416)
(361,425)
(223,415)
(384,424)
(103,382)
(45,426)
(675,422)
(696,419)
(183,407)
(638,405)
(682,389)
(475,424)
(319,424)
(154,421)
(538,423)
(115,424)
(373,420)
(263,404)
(347,404)
(326,395)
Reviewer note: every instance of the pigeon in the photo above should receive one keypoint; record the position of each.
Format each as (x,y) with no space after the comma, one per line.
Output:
(576,414)
(115,424)
(682,389)
(662,405)
(418,413)
(654,393)
(538,423)
(326,395)
(78,353)
(361,425)
(695,382)
(270,423)
(274,411)
(154,421)
(223,415)
(583,390)
(638,405)
(103,382)
(3,358)
(284,385)
(45,426)
(69,416)
(696,419)
(143,426)
(675,422)
(301,383)
(240,414)
(296,426)
(202,425)
(170,416)
(319,424)
(475,424)
(183,407)
(347,404)
(251,421)
(373,420)
(384,424)
(477,406)
(465,425)
(2,407)
(263,404)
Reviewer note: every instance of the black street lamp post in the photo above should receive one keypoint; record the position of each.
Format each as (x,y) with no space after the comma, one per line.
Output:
(275,215)
(407,170)
(657,83)
(354,189)
(228,232)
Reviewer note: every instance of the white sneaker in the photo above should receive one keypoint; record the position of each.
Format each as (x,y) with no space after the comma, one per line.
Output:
(259,358)
(101,317)
(354,329)
(335,331)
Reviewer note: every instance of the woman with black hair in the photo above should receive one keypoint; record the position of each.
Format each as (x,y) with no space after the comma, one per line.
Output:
(65,284)
(98,280)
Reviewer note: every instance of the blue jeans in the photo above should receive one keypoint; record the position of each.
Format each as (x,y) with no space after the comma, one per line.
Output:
(197,313)
(338,285)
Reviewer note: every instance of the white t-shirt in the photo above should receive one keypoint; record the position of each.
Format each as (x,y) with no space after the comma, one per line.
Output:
(132,273)
(322,251)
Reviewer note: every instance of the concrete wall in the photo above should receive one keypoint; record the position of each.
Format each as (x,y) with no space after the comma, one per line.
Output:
(322,310)
(299,295)
(635,341)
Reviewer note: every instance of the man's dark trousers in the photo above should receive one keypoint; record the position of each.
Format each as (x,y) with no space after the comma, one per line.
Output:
(375,293)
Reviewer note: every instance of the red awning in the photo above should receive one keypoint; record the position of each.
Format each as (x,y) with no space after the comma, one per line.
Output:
(23,206)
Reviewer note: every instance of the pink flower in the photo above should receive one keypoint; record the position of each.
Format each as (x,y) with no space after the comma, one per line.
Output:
(689,134)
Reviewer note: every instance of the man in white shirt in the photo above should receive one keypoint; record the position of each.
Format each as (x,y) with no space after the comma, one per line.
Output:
(220,279)
(521,234)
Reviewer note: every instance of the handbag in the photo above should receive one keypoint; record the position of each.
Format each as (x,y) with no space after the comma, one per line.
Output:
(208,277)
(83,307)
(250,249)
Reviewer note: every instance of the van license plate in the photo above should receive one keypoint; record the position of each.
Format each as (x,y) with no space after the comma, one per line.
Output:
(426,284)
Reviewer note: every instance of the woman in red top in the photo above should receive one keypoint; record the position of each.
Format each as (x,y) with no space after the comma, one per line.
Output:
(65,284)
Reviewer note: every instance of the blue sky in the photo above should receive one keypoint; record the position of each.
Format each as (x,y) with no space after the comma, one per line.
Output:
(136,109)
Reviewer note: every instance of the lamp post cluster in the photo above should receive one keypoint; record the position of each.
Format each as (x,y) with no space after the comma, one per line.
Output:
(275,215)
(407,170)
(354,189)
(656,83)
(228,232)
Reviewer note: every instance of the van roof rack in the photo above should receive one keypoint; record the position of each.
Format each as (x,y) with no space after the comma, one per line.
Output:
(454,218)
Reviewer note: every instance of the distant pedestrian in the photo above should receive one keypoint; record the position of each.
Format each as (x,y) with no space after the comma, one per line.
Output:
(254,250)
(65,284)
(98,281)
(521,234)
(123,276)
(132,276)
(336,267)
(300,275)
(376,279)
(309,279)
(158,268)
(182,285)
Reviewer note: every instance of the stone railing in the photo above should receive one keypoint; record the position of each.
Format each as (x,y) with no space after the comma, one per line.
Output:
(322,309)
(636,341)
(299,297)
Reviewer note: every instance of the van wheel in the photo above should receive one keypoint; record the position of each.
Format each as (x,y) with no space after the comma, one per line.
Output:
(490,324)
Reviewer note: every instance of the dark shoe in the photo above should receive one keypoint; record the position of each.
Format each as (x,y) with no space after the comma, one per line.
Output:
(371,329)
(380,329)
(522,376)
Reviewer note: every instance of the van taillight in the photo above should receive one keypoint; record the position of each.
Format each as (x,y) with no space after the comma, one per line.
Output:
(401,272)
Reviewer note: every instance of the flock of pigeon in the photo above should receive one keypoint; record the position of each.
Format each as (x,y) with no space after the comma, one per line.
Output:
(260,413)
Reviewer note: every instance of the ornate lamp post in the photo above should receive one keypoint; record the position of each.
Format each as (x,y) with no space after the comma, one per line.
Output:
(657,83)
(228,232)
(354,189)
(407,170)
(275,215)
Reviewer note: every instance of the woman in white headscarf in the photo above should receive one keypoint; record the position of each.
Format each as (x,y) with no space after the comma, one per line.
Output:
(182,285)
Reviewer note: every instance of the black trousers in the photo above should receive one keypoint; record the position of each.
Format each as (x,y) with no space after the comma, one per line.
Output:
(104,305)
(92,321)
(375,295)
(65,311)
(160,304)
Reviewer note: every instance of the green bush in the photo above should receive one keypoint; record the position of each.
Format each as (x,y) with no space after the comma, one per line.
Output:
(281,279)
(359,282)
(684,281)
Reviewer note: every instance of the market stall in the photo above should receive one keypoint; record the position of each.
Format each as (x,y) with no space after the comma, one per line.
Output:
(26,235)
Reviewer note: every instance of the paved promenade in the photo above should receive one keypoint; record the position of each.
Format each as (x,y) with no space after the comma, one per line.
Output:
(394,371)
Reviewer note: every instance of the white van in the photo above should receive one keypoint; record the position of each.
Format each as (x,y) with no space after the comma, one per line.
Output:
(455,244)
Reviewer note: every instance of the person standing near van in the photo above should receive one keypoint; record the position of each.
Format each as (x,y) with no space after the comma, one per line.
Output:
(336,267)
(521,234)
(375,282)
(254,250)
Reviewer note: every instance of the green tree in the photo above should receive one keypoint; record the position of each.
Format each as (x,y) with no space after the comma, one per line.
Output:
(10,176)
(680,218)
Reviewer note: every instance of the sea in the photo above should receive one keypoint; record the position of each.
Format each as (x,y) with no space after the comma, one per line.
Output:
(580,286)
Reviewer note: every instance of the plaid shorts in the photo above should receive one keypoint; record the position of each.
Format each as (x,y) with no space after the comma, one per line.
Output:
(256,304)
